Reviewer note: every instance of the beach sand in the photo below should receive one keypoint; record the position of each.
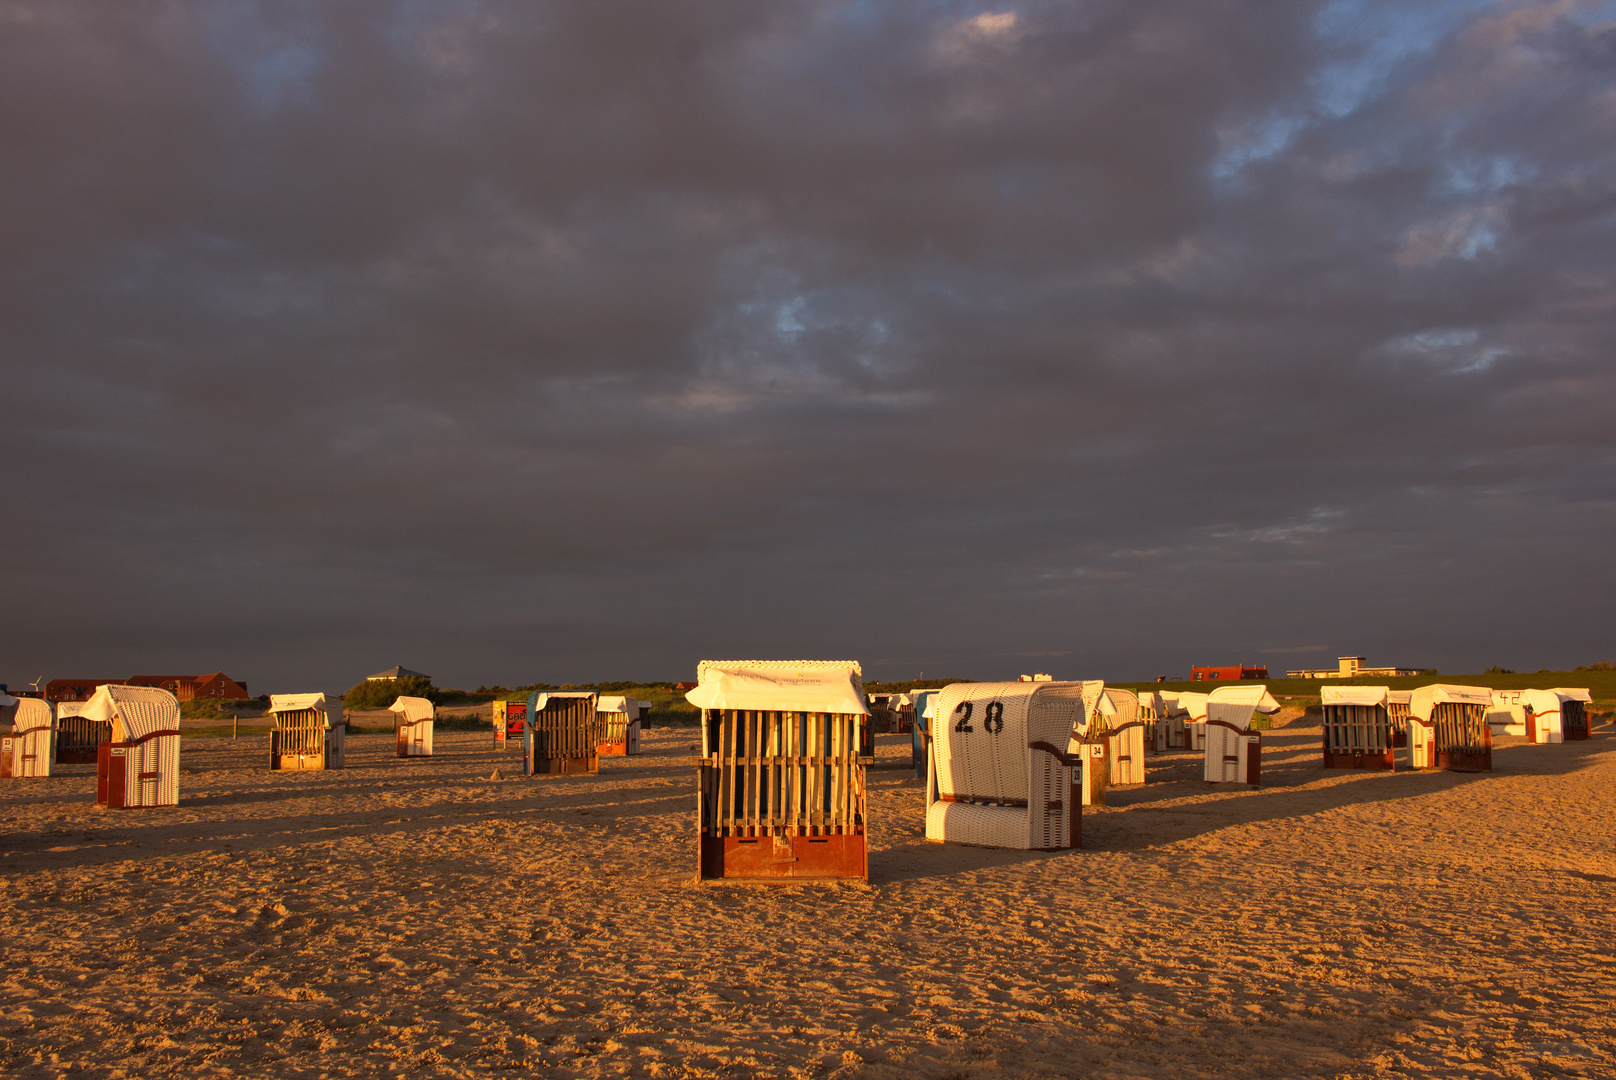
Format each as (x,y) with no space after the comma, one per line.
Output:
(416,918)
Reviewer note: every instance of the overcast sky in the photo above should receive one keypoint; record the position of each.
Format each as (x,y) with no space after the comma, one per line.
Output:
(516,342)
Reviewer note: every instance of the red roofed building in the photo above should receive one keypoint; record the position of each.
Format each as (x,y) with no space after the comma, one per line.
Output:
(217,685)
(1228,673)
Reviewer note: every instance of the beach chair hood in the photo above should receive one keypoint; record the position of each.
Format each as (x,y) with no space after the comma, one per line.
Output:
(413,708)
(1257,697)
(286,703)
(826,686)
(1354,695)
(133,711)
(1427,698)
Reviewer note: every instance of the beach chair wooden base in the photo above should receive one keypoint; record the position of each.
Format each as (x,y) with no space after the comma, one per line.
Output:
(785,858)
(298,762)
(1465,760)
(413,740)
(578,766)
(131,774)
(1360,759)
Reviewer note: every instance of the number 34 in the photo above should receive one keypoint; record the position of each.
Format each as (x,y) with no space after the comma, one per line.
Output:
(992,717)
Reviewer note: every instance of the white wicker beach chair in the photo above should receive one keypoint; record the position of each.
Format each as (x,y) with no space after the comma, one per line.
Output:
(1233,752)
(31,739)
(1001,774)
(140,766)
(414,726)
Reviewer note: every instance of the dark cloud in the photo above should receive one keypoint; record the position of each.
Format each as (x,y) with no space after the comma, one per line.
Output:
(521,341)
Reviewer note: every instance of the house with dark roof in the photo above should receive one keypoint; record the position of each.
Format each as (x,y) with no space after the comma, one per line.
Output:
(396,673)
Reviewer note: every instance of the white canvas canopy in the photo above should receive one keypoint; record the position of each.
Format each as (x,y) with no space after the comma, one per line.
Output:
(1194,705)
(1426,698)
(133,711)
(618,704)
(1569,693)
(413,709)
(1354,695)
(825,686)
(285,703)
(539,700)
(1399,697)
(1257,697)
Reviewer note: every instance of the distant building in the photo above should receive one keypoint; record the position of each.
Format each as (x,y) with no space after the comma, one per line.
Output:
(1229,673)
(74,689)
(396,673)
(1040,677)
(1352,667)
(684,686)
(216,685)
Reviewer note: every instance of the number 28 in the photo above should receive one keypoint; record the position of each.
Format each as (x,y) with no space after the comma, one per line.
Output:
(992,717)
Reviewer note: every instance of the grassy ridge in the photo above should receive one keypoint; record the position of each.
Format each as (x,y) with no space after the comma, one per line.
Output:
(1601,684)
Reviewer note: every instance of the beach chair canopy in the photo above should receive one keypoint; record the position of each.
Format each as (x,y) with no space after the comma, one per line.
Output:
(1152,700)
(823,686)
(32,713)
(412,709)
(1545,701)
(1354,695)
(617,704)
(1570,693)
(1257,697)
(288,703)
(1193,706)
(1427,698)
(133,711)
(540,700)
(1399,697)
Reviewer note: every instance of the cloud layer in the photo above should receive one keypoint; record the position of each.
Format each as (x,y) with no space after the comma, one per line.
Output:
(518,341)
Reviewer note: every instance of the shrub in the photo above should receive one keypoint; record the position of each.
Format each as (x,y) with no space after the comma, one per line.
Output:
(379,693)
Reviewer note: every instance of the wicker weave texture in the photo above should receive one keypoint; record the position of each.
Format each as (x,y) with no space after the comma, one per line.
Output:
(33,727)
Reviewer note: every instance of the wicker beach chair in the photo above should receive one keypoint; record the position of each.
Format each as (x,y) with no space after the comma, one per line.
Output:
(1002,774)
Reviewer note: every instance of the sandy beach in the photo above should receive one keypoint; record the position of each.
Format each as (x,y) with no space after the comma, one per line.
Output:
(415,917)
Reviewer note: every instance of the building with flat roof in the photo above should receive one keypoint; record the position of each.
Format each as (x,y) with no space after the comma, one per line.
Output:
(1352,667)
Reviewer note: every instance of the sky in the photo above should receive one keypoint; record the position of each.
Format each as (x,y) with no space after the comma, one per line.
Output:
(520,342)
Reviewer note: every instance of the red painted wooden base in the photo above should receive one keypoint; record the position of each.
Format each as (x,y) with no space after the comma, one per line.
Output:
(784,858)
